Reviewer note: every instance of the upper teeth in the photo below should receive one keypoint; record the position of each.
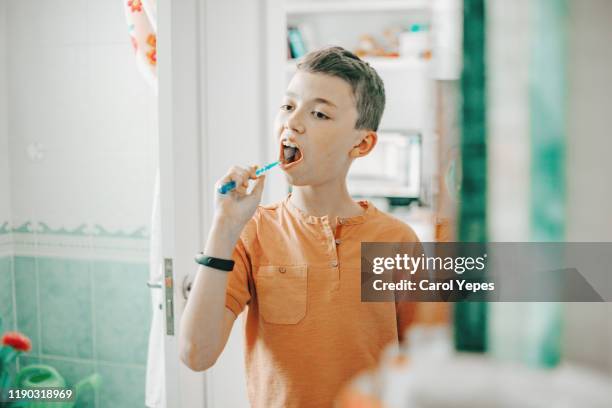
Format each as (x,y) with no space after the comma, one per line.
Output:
(289,144)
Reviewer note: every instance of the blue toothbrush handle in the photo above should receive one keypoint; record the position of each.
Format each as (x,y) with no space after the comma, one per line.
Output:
(230,185)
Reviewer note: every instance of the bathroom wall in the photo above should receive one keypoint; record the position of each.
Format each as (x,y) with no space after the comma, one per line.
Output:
(6,289)
(4,164)
(77,164)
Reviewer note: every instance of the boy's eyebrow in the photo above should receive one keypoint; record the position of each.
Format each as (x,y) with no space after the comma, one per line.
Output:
(318,100)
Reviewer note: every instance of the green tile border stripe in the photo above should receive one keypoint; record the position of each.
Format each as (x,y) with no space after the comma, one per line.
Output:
(82,242)
(83,230)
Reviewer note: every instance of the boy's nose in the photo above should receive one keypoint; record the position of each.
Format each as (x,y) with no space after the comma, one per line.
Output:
(294,123)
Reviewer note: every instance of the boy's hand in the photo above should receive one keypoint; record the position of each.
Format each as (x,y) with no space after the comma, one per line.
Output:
(235,208)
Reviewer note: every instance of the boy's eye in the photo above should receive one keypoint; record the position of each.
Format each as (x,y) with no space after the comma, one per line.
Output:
(320,115)
(286,107)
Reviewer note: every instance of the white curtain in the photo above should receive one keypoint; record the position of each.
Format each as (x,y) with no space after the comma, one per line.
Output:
(141,17)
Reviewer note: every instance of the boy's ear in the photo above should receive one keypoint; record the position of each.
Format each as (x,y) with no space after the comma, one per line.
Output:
(365,146)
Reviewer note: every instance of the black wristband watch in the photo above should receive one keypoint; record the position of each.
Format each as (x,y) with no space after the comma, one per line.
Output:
(216,263)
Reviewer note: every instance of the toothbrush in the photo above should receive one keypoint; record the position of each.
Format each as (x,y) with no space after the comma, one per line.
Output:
(230,185)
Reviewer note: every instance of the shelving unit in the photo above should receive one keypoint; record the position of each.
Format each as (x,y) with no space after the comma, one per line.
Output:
(407,81)
(380,64)
(321,6)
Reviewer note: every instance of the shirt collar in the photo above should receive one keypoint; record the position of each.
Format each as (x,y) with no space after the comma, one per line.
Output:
(311,219)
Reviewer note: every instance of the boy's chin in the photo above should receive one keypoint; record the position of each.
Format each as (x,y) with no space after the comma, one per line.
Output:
(303,180)
(299,179)
(295,180)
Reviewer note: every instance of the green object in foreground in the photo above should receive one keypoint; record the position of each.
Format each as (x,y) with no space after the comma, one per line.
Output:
(43,376)
(470,318)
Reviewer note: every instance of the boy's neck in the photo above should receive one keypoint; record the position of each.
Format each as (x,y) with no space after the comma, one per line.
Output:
(328,199)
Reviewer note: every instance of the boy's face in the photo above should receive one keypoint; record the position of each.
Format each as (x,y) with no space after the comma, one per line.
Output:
(318,115)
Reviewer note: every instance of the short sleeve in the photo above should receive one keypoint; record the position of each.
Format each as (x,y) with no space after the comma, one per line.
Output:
(237,293)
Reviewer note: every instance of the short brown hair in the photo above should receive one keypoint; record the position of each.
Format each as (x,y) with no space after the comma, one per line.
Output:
(368,87)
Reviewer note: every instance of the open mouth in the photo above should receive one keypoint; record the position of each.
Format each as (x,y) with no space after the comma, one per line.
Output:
(290,154)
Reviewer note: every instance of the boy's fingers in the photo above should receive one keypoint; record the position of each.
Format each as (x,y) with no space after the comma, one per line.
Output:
(252,171)
(229,177)
(241,177)
(243,174)
(236,174)
(259,185)
(241,190)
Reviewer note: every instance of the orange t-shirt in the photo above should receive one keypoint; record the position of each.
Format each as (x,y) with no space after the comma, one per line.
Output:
(307,331)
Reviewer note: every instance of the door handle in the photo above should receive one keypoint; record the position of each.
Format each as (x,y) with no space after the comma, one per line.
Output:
(169,296)
(153,285)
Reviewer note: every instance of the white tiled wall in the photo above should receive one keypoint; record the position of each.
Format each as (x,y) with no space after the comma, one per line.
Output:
(4,164)
(82,121)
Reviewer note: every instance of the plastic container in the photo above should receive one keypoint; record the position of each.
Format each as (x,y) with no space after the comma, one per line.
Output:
(43,376)
(414,43)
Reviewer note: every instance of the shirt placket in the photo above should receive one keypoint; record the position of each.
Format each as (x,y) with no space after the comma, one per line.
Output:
(330,239)
(332,253)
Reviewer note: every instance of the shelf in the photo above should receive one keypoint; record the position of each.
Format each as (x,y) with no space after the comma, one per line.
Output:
(320,6)
(381,64)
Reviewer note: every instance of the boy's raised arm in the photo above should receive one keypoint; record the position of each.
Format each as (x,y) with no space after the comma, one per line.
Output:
(206,322)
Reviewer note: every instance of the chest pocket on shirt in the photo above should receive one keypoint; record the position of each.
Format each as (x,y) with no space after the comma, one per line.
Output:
(282,292)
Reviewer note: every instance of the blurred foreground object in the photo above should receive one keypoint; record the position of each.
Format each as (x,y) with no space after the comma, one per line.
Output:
(429,374)
(40,376)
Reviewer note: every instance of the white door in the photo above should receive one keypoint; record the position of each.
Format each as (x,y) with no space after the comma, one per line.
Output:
(180,198)
(215,70)
(209,56)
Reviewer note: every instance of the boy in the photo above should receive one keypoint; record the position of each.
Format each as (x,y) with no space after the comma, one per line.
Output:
(297,262)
